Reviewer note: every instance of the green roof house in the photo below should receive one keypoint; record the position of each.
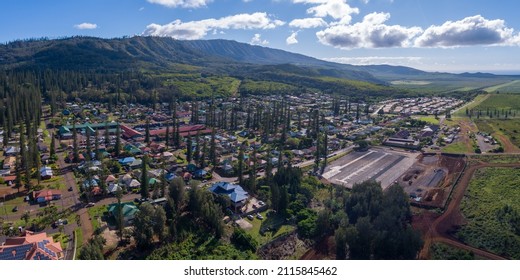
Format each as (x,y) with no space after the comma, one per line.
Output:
(128,212)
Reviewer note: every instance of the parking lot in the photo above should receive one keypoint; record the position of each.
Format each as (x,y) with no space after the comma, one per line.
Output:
(382,165)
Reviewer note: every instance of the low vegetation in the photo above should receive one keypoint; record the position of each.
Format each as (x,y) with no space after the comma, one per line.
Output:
(492,210)
(441,251)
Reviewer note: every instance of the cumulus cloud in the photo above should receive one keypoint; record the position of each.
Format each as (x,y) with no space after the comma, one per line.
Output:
(257,40)
(337,9)
(372,32)
(307,23)
(181,3)
(291,40)
(193,30)
(86,25)
(475,30)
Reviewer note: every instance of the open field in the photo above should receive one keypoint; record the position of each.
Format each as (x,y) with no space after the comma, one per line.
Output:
(429,119)
(504,130)
(491,211)
(441,228)
(273,222)
(449,83)
(513,86)
(458,147)
(499,117)
(498,102)
(382,165)
(461,112)
(498,158)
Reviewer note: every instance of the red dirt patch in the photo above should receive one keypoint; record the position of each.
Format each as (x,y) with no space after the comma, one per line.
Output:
(506,143)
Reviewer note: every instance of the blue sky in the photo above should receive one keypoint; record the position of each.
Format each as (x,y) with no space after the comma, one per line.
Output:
(433,35)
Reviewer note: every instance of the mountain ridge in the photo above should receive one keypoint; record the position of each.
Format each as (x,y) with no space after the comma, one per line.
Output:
(212,56)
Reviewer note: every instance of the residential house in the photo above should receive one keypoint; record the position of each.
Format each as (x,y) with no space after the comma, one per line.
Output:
(45,196)
(126,161)
(128,211)
(42,147)
(11,151)
(46,173)
(31,246)
(10,163)
(134,184)
(113,188)
(236,193)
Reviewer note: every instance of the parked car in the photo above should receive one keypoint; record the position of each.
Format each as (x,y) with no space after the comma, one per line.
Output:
(250,217)
(90,204)
(259,216)
(15,209)
(261,203)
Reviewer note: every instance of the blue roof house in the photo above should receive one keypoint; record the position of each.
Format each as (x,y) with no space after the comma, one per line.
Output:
(127,160)
(236,193)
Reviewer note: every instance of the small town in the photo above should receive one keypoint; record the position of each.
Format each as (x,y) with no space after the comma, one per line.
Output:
(89,169)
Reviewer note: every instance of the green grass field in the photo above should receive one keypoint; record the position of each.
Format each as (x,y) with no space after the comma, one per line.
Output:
(496,158)
(513,86)
(491,208)
(429,119)
(272,222)
(509,103)
(96,213)
(456,148)
(461,112)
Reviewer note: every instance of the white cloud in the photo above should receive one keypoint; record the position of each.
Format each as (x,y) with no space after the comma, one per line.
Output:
(337,9)
(193,30)
(141,9)
(376,60)
(307,23)
(181,3)
(372,32)
(291,40)
(86,25)
(475,30)
(257,40)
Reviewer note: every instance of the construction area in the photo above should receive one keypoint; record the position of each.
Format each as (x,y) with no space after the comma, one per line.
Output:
(430,180)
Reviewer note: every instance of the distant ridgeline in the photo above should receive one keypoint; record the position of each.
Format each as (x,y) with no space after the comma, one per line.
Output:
(148,69)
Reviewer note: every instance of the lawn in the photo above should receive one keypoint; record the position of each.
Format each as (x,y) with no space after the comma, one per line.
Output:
(95,214)
(429,119)
(62,238)
(274,222)
(491,208)
(79,240)
(456,148)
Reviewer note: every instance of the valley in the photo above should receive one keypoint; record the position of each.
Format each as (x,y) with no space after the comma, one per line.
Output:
(155,148)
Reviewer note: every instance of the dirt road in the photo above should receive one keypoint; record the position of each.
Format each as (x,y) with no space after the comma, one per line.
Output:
(440,226)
